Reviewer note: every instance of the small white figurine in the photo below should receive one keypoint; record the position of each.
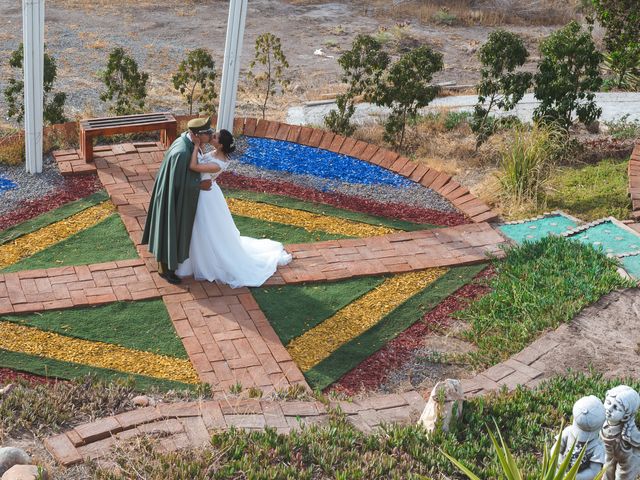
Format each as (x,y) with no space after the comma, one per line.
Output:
(621,435)
(588,418)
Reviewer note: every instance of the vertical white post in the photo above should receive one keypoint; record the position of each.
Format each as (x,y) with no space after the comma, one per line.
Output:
(33,64)
(231,65)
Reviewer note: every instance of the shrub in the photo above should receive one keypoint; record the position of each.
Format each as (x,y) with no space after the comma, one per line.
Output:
(268,53)
(362,69)
(14,92)
(500,85)
(126,86)
(621,20)
(567,76)
(623,128)
(526,160)
(195,80)
(407,88)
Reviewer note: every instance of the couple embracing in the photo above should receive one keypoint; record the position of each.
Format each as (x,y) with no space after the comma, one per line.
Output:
(189,228)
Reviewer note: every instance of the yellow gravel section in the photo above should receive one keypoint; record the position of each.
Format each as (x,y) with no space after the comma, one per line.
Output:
(32,341)
(316,344)
(312,222)
(31,243)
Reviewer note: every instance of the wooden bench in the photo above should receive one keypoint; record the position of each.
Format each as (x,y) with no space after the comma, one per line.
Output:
(146,122)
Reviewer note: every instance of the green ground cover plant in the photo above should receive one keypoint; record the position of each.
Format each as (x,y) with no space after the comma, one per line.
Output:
(528,419)
(538,286)
(591,191)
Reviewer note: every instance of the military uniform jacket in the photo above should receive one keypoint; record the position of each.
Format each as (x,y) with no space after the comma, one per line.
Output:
(173,204)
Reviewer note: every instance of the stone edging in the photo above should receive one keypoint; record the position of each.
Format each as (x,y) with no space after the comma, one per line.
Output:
(70,163)
(634,181)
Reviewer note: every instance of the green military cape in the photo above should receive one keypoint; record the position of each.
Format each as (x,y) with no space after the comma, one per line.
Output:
(173,204)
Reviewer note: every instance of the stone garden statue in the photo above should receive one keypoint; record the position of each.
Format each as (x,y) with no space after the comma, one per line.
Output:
(621,435)
(588,418)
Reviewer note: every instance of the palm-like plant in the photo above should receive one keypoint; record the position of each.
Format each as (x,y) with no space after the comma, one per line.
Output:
(551,470)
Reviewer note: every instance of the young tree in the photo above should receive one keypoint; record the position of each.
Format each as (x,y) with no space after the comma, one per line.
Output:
(362,69)
(126,86)
(500,84)
(14,92)
(195,79)
(568,75)
(621,20)
(268,53)
(407,88)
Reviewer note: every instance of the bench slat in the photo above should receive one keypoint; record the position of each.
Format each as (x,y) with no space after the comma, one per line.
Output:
(169,116)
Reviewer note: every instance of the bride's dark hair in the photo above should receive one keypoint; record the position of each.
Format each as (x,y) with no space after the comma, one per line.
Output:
(227,141)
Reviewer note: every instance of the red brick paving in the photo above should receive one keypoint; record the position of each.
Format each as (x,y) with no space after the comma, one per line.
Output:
(634,181)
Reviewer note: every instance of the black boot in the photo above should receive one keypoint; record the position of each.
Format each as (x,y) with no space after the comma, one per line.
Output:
(169,275)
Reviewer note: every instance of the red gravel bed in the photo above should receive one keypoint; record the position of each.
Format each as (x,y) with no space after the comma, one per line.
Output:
(347,202)
(10,376)
(71,188)
(373,371)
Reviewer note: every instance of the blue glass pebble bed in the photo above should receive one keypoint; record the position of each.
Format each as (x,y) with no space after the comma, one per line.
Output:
(303,160)
(6,185)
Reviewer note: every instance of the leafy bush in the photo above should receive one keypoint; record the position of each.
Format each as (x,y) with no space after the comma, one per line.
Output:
(407,88)
(126,86)
(362,69)
(14,92)
(568,75)
(538,286)
(195,79)
(268,53)
(501,85)
(526,418)
(623,128)
(621,20)
(526,161)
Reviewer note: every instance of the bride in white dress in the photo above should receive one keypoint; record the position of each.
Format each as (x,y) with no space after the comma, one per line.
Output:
(217,250)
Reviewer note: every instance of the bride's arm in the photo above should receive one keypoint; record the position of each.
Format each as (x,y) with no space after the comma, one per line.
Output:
(202,167)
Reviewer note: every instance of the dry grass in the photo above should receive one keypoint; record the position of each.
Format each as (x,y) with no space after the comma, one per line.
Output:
(469,12)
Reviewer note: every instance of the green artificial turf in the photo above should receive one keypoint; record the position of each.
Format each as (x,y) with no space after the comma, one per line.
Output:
(328,210)
(538,286)
(53,216)
(592,191)
(48,367)
(143,325)
(104,242)
(252,227)
(294,309)
(349,355)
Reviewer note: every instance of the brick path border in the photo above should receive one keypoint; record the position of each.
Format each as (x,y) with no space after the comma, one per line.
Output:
(634,181)
(70,161)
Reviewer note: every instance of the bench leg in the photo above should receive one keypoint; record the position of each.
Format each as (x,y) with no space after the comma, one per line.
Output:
(169,135)
(87,147)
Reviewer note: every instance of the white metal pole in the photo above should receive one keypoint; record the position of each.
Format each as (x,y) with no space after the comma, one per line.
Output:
(33,64)
(231,65)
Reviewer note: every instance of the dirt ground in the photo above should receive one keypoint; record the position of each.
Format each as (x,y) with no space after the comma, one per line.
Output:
(80,35)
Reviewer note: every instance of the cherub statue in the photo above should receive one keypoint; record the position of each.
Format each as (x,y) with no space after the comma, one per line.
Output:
(588,418)
(621,435)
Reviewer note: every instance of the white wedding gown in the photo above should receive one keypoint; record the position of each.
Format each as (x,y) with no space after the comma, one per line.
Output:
(218,252)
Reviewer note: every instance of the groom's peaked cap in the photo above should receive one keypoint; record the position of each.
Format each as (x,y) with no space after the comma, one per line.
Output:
(198,125)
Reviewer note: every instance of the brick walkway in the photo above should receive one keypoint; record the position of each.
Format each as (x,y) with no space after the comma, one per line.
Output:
(191,424)
(634,181)
(395,253)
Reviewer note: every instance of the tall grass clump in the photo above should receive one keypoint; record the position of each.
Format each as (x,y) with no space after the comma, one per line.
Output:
(538,286)
(526,162)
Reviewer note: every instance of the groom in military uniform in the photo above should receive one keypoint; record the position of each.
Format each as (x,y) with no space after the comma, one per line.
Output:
(174,199)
